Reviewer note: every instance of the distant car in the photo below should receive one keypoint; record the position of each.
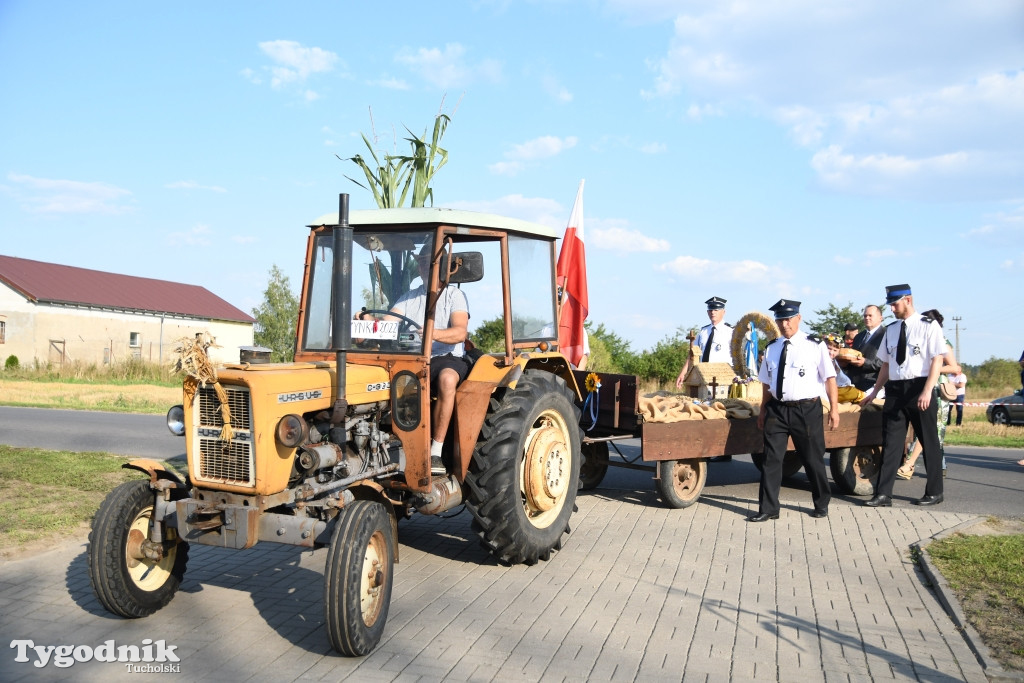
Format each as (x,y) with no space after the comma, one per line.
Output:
(1007,410)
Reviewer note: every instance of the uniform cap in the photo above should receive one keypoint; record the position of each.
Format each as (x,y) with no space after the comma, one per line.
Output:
(785,308)
(715,302)
(894,293)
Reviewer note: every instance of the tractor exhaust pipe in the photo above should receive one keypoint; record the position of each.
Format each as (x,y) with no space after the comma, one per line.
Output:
(341,297)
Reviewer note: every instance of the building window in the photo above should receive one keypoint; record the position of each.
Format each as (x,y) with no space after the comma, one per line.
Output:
(3,331)
(135,340)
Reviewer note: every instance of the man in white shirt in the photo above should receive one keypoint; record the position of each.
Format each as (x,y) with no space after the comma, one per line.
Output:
(911,351)
(714,341)
(796,371)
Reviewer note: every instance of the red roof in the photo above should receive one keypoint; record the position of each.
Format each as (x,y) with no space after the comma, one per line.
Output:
(55,284)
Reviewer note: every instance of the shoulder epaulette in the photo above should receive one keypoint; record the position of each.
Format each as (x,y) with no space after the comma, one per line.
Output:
(814,338)
(927,319)
(728,324)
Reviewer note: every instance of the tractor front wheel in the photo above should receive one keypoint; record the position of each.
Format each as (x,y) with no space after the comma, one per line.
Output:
(358,578)
(131,577)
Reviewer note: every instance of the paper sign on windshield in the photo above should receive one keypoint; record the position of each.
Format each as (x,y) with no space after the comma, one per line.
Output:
(375,329)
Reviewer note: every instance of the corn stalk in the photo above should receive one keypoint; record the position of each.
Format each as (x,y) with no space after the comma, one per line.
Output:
(390,177)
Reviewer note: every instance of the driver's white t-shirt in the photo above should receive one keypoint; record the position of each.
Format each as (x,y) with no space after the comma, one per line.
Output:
(452,299)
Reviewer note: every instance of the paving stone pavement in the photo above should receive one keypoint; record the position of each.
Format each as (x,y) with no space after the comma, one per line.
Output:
(639,592)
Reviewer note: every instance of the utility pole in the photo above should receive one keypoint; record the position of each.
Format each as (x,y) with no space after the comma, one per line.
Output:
(956,320)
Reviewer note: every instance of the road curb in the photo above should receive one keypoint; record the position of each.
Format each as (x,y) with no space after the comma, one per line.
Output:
(993,670)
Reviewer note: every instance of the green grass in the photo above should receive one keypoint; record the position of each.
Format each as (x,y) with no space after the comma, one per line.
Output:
(52,493)
(987,574)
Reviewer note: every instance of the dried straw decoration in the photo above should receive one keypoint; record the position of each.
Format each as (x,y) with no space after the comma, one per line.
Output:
(194,360)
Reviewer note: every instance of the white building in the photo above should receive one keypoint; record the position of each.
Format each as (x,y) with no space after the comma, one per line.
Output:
(58,314)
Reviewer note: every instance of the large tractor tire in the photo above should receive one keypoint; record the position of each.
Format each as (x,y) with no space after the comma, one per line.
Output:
(854,469)
(594,466)
(681,481)
(358,578)
(522,479)
(126,582)
(790,463)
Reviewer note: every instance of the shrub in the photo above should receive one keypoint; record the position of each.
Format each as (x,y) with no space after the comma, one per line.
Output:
(11,363)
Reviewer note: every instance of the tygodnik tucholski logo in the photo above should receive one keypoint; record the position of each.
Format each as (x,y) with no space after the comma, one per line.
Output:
(149,657)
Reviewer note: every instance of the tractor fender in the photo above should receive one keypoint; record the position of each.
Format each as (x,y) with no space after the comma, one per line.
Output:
(371,490)
(155,470)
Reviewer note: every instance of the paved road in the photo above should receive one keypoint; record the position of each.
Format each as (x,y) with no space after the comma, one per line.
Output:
(143,436)
(639,592)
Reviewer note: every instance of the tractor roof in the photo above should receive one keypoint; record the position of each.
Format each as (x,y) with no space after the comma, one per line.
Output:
(433,216)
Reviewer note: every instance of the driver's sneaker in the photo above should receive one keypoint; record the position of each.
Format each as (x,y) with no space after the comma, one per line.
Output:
(437,465)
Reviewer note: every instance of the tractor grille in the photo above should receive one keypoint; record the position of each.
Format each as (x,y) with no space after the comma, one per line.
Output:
(238,402)
(225,462)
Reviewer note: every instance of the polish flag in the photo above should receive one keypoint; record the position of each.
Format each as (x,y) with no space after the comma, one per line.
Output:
(571,278)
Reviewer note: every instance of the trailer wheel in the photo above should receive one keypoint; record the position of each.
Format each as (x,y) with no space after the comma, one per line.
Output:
(594,466)
(358,578)
(525,470)
(681,481)
(127,582)
(854,469)
(790,463)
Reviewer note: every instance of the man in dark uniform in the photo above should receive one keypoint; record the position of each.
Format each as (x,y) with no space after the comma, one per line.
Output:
(797,370)
(863,371)
(911,352)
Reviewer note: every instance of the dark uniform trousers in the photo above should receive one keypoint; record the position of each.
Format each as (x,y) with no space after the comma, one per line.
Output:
(900,408)
(801,420)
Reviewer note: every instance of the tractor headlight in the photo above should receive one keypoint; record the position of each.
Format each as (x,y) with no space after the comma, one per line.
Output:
(291,431)
(176,420)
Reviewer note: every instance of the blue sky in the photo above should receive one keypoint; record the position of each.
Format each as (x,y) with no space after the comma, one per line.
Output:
(803,149)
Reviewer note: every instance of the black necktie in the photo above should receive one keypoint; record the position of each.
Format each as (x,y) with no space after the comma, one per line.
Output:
(707,347)
(901,345)
(782,370)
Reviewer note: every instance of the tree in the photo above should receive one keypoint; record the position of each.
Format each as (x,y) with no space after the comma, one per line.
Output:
(619,354)
(489,337)
(662,363)
(832,320)
(276,318)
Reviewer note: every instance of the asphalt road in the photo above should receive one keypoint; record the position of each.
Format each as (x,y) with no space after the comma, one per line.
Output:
(982,481)
(141,436)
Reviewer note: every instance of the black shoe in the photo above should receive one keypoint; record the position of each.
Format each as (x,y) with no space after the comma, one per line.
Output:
(929,500)
(879,501)
(818,514)
(437,465)
(720,458)
(763,517)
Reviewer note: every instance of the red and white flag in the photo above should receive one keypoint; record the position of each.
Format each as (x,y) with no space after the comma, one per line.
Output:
(571,278)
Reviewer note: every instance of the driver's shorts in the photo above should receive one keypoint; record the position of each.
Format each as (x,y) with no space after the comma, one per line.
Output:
(457,363)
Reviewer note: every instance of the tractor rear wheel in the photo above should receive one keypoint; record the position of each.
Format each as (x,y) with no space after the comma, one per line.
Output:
(522,479)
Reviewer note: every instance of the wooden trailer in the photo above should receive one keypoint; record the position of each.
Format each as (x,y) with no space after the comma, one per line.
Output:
(677,452)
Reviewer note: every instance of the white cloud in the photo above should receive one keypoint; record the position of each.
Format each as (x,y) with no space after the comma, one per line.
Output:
(654,148)
(197,236)
(929,113)
(621,239)
(556,90)
(390,83)
(541,148)
(533,150)
(193,185)
(296,62)
(43,195)
(508,168)
(448,68)
(746,271)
